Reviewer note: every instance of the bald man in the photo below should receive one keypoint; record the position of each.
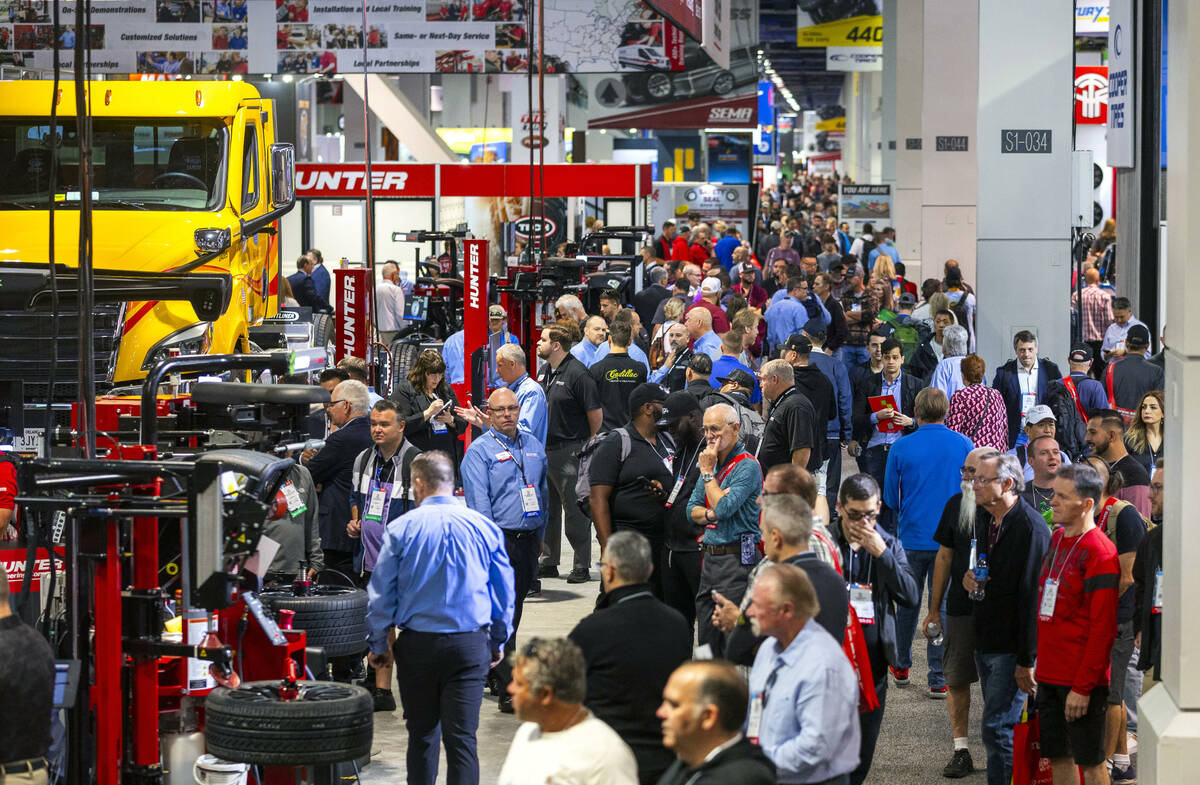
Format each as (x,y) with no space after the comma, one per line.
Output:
(504,477)
(1096,313)
(699,325)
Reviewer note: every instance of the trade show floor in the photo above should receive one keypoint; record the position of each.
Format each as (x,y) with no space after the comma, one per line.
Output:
(914,745)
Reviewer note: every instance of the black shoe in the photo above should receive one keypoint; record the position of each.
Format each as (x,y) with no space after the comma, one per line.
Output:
(535,588)
(959,766)
(493,684)
(383,699)
(506,706)
(579,575)
(547,571)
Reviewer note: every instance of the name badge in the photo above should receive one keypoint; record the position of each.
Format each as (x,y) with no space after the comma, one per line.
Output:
(504,456)
(855,308)
(438,426)
(860,600)
(1158,591)
(1027,402)
(376,501)
(291,496)
(1049,598)
(749,549)
(529,501)
(754,721)
(674,493)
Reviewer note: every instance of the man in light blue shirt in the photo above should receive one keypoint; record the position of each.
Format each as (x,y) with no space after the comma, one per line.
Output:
(803,691)
(787,316)
(511,366)
(887,245)
(699,326)
(595,335)
(504,477)
(452,355)
(443,578)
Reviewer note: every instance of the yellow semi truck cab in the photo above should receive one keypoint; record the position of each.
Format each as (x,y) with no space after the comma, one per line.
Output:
(188,183)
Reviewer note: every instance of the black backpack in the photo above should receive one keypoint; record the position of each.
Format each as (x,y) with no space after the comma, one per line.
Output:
(1071,426)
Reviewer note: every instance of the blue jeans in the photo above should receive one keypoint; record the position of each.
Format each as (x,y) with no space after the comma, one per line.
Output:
(853,355)
(921,565)
(1002,703)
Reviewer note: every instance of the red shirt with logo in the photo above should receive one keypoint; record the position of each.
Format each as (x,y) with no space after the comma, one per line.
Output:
(1075,646)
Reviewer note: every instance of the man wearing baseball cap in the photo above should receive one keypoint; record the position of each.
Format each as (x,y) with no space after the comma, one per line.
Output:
(1127,379)
(1089,391)
(710,299)
(683,419)
(728,362)
(1039,422)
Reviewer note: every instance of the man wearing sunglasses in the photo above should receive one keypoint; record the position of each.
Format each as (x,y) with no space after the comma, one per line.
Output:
(877,581)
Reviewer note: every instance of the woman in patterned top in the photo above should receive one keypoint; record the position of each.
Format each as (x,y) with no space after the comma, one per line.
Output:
(977,411)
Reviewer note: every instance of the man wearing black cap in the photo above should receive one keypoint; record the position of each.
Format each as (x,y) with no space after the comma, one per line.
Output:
(683,420)
(819,390)
(728,362)
(631,476)
(699,370)
(1087,392)
(836,332)
(1127,379)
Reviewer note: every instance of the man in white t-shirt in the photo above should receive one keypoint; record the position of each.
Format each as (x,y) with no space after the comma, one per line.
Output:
(560,740)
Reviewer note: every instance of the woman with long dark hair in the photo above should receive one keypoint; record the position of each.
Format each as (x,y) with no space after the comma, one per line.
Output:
(426,402)
(1144,439)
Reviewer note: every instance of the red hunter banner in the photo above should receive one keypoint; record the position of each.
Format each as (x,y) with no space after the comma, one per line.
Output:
(475,301)
(349,180)
(354,322)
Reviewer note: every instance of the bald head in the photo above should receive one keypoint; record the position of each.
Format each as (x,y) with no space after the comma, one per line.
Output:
(505,411)
(698,321)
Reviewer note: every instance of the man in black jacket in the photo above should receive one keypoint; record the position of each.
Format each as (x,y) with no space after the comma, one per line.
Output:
(1014,538)
(682,418)
(1023,381)
(1147,581)
(632,643)
(304,289)
(871,444)
(702,712)
(646,301)
(878,580)
(332,466)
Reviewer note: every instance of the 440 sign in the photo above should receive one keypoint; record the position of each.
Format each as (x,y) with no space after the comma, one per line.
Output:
(863,30)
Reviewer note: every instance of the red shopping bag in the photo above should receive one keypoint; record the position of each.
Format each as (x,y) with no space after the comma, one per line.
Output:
(1029,767)
(855,647)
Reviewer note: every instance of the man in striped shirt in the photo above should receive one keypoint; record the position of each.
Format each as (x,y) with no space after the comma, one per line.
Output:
(1097,314)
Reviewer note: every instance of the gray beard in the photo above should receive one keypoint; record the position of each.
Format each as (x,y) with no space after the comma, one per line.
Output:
(966,508)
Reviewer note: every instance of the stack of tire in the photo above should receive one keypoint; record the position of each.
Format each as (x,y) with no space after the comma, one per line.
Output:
(333,617)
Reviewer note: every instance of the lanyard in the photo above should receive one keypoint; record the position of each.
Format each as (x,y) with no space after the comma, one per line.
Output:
(686,465)
(850,566)
(1054,558)
(520,465)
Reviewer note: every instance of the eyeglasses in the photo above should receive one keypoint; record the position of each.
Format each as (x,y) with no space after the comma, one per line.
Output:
(861,516)
(714,429)
(334,403)
(503,409)
(984,480)
(966,471)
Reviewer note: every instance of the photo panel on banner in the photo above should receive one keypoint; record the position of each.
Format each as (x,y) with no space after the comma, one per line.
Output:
(863,204)
(851,33)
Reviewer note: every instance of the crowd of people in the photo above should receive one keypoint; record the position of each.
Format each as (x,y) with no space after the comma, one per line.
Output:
(759,594)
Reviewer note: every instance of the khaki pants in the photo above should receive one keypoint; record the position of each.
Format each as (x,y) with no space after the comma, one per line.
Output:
(38,777)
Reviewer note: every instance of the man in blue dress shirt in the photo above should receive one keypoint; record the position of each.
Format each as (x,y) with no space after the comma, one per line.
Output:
(511,364)
(504,477)
(444,580)
(803,691)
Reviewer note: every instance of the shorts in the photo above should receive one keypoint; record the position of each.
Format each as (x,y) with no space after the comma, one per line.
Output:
(1083,739)
(958,659)
(1122,651)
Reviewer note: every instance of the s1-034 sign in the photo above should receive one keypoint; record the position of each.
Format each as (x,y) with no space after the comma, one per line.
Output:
(1026,140)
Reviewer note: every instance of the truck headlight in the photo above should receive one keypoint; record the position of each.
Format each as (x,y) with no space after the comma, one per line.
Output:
(212,240)
(193,339)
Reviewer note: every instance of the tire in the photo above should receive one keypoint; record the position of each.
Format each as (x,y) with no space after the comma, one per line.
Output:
(659,87)
(334,617)
(322,329)
(403,357)
(326,723)
(723,84)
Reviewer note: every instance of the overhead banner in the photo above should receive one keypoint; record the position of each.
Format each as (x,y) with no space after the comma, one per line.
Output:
(864,203)
(853,40)
(684,14)
(531,130)
(348,180)
(716,40)
(704,95)
(181,37)
(1091,18)
(703,201)
(1122,53)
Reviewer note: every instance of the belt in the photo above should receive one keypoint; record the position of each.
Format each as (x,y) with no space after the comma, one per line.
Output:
(519,533)
(885,447)
(721,550)
(26,766)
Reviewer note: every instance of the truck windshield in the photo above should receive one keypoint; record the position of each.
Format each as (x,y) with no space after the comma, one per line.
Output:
(138,163)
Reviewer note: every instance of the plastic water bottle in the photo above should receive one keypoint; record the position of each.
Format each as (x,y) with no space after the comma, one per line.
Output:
(981,574)
(933,631)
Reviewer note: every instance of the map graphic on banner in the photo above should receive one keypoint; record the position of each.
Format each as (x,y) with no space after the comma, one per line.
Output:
(326,36)
(850,33)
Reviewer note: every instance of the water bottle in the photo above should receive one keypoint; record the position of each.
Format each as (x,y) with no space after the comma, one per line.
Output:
(981,573)
(933,631)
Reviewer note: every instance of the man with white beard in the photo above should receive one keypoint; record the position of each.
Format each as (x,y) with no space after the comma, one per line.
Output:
(953,537)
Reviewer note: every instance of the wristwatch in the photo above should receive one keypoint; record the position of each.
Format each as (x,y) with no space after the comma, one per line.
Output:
(707,477)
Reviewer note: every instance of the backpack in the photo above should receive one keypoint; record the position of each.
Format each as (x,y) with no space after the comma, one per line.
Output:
(910,333)
(868,246)
(1112,512)
(408,451)
(959,309)
(1072,427)
(583,484)
(752,423)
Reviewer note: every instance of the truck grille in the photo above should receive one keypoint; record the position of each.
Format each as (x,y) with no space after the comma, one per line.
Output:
(25,351)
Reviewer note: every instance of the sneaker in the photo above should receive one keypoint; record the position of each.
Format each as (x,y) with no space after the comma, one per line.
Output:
(493,683)
(535,589)
(547,571)
(901,676)
(579,575)
(959,766)
(383,699)
(939,693)
(1125,776)
(506,704)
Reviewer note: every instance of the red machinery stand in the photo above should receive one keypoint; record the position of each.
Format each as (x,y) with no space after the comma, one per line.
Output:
(475,315)
(355,322)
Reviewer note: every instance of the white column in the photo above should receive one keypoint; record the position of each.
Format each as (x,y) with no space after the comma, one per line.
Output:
(1169,714)
(890,77)
(907,206)
(949,179)
(1025,82)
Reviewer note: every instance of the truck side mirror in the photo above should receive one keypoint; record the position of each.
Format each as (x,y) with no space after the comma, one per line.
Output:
(283,175)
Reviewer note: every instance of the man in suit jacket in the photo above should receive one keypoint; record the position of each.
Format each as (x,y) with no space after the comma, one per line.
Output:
(871,445)
(1023,381)
(646,301)
(304,289)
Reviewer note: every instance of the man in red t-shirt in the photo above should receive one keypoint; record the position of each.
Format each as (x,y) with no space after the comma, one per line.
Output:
(1077,624)
(8,498)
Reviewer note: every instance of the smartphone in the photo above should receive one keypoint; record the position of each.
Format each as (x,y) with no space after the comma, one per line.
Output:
(444,408)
